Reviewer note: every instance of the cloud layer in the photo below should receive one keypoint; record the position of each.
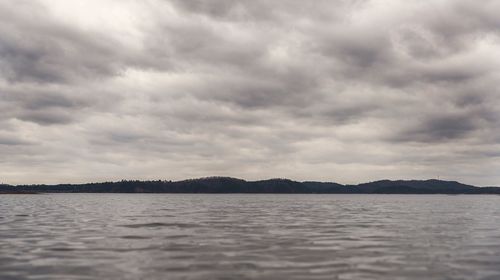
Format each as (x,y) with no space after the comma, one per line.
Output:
(348,91)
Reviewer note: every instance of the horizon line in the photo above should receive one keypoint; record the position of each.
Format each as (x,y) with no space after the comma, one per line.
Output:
(236,178)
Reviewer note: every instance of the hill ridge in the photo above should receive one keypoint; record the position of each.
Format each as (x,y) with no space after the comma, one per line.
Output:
(222,184)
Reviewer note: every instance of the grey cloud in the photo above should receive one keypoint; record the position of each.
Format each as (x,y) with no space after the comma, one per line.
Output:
(35,47)
(11,140)
(52,53)
(219,8)
(448,126)
(37,100)
(359,89)
(195,44)
(47,117)
(439,129)
(46,105)
(255,92)
(261,10)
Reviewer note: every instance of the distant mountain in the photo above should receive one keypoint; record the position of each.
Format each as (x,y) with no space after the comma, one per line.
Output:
(328,187)
(416,186)
(234,185)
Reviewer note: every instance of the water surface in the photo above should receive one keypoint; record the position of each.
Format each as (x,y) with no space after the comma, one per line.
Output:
(202,236)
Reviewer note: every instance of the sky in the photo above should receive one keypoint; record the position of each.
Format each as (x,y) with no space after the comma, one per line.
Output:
(328,90)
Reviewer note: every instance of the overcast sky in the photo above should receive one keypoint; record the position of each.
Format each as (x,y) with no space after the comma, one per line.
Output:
(345,91)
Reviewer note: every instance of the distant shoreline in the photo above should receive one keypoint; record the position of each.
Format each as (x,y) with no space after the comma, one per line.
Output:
(271,186)
(21,192)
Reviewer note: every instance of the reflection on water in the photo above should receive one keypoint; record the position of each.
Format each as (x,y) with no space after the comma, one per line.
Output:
(197,236)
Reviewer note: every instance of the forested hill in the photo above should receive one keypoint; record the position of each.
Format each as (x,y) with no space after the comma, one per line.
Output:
(233,185)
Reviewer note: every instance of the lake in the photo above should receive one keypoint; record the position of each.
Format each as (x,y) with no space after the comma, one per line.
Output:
(247,236)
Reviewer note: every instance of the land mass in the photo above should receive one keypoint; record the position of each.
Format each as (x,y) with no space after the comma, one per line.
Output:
(234,185)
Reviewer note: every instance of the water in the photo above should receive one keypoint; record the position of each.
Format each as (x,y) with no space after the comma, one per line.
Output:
(198,236)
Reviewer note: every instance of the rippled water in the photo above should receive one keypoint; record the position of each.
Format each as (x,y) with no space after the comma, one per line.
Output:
(197,236)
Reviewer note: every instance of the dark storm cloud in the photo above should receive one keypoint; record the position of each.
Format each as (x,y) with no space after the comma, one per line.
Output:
(357,89)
